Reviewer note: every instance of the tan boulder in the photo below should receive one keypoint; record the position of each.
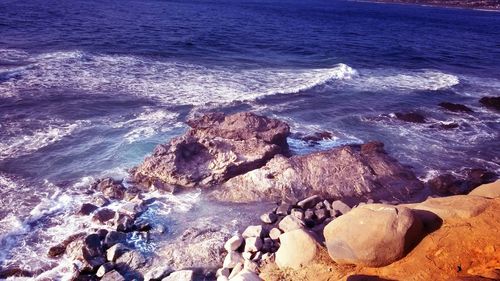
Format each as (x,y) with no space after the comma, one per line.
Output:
(372,235)
(489,190)
(298,248)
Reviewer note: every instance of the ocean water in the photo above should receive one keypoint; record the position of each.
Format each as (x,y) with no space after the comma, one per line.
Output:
(88,88)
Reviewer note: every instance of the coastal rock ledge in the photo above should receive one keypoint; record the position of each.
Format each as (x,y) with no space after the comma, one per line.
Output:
(246,157)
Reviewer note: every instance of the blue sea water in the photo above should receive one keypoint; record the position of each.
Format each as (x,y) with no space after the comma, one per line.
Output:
(88,88)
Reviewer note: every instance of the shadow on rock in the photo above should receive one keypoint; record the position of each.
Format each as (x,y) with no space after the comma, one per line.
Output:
(367,278)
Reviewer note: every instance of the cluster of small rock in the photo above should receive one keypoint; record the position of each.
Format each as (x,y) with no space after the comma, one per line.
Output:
(258,244)
(104,253)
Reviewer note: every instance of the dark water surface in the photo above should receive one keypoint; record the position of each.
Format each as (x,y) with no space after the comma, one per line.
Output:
(88,88)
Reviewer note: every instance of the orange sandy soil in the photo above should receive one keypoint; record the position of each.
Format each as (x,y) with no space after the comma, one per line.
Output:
(459,249)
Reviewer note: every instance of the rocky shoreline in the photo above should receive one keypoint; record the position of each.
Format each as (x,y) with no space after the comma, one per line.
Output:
(354,202)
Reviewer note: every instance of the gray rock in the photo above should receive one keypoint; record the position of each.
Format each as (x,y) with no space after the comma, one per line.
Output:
(321,215)
(115,251)
(348,171)
(157,273)
(327,205)
(254,231)
(223,272)
(114,237)
(181,275)
(105,268)
(252,265)
(232,259)
(246,275)
(113,276)
(268,256)
(123,222)
(340,208)
(298,248)
(275,233)
(290,223)
(215,148)
(253,244)
(257,256)
(100,201)
(237,268)
(233,243)
(111,188)
(93,246)
(309,202)
(268,245)
(269,218)
(283,209)
(320,205)
(247,255)
(309,215)
(131,260)
(298,213)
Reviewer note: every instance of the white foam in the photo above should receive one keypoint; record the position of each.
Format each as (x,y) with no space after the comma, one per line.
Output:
(166,81)
(27,142)
(403,80)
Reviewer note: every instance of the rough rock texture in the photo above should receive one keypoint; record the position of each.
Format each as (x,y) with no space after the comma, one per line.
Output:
(345,171)
(471,243)
(490,190)
(372,235)
(214,149)
(297,248)
(196,247)
(462,206)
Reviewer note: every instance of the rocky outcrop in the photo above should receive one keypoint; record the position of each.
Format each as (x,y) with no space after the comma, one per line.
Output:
(215,148)
(491,102)
(372,235)
(490,190)
(355,171)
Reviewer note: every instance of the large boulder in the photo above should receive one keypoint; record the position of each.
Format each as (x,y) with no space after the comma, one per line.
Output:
(345,171)
(215,148)
(372,235)
(298,248)
(490,190)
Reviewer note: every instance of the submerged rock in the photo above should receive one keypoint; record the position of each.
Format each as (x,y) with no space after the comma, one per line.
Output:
(491,102)
(412,117)
(372,235)
(346,171)
(214,149)
(455,107)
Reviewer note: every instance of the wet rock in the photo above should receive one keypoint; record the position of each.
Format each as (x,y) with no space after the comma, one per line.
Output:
(181,275)
(111,188)
(275,233)
(283,209)
(455,107)
(298,248)
(339,208)
(309,202)
(100,201)
(103,269)
(59,249)
(447,184)
(130,260)
(316,137)
(87,209)
(348,171)
(476,177)
(290,223)
(124,223)
(14,271)
(372,235)
(104,216)
(233,243)
(114,237)
(113,276)
(253,244)
(254,231)
(491,102)
(269,218)
(232,259)
(93,246)
(412,117)
(214,149)
(102,233)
